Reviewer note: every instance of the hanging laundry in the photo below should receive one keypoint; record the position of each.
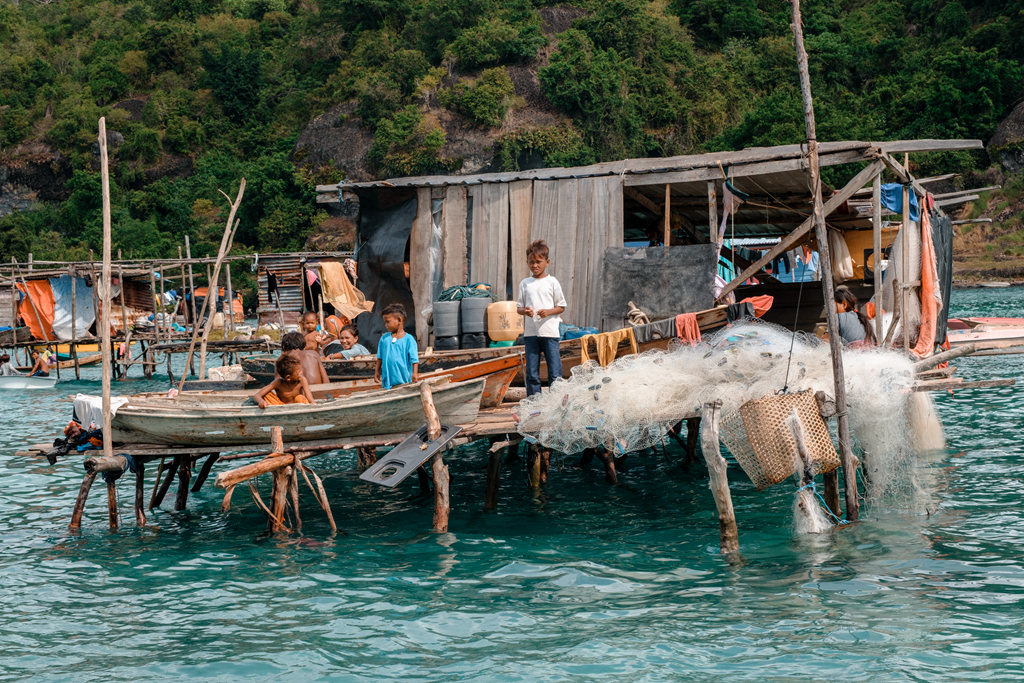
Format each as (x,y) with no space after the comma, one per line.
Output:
(892,199)
(607,345)
(687,328)
(659,329)
(740,311)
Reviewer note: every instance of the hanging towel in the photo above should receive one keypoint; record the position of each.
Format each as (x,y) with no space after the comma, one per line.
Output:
(687,328)
(340,292)
(762,304)
(892,199)
(659,329)
(36,308)
(931,294)
(607,345)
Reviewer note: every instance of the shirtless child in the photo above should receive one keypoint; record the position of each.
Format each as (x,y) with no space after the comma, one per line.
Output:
(314,338)
(294,344)
(289,386)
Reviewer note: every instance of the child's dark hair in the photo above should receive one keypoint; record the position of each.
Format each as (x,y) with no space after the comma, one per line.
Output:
(5,358)
(539,247)
(293,341)
(352,329)
(394,309)
(286,364)
(843,295)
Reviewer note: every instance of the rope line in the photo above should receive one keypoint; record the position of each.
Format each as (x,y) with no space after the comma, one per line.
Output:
(810,485)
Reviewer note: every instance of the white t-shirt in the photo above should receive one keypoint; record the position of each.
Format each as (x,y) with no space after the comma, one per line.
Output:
(541,293)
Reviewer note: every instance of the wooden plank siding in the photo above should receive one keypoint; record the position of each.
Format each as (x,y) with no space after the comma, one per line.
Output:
(419,265)
(520,207)
(454,236)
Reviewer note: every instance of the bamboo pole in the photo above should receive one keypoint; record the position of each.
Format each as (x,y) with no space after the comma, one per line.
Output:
(191,280)
(442,504)
(728,535)
(825,267)
(905,287)
(108,449)
(876,222)
(72,349)
(667,225)
(225,245)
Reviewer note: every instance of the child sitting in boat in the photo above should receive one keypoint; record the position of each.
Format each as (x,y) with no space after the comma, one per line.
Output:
(314,337)
(289,386)
(350,346)
(398,361)
(6,369)
(294,344)
(40,368)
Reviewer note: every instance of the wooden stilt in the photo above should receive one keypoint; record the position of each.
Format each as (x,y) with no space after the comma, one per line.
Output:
(544,456)
(293,492)
(442,504)
(204,472)
(226,505)
(367,455)
(728,536)
(533,466)
(83,494)
(586,457)
(184,476)
(108,447)
(604,454)
(493,478)
(692,438)
(832,491)
(165,486)
(112,504)
(825,260)
(140,494)
(279,497)
(72,347)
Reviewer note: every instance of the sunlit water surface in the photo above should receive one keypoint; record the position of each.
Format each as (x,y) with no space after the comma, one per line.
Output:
(584,579)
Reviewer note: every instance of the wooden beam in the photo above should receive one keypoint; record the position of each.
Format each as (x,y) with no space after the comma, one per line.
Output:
(705,173)
(643,200)
(958,193)
(958,200)
(927,145)
(712,211)
(793,238)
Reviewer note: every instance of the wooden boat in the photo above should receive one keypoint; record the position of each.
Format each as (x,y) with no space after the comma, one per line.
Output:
(14,336)
(211,420)
(362,367)
(91,359)
(986,333)
(19,382)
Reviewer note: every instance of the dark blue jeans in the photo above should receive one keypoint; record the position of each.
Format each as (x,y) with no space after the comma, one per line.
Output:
(534,347)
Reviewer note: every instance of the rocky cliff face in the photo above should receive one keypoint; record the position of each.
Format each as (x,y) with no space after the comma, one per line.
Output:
(29,174)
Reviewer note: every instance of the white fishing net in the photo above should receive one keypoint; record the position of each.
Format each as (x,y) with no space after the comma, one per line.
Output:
(630,404)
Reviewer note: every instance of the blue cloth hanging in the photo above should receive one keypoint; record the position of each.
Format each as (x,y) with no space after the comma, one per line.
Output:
(892,199)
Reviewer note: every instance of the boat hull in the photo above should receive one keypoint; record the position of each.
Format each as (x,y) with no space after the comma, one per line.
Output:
(20,382)
(216,423)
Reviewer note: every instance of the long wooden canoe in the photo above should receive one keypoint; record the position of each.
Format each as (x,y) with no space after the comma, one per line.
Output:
(209,420)
(262,367)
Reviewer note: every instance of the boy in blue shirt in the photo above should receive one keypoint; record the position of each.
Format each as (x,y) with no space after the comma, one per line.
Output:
(397,359)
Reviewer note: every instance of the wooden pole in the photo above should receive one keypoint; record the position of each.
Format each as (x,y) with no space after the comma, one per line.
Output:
(876,223)
(112,504)
(140,497)
(72,348)
(728,536)
(108,449)
(225,245)
(905,285)
(191,281)
(230,322)
(667,226)
(184,476)
(494,475)
(712,212)
(83,494)
(442,505)
(606,454)
(825,268)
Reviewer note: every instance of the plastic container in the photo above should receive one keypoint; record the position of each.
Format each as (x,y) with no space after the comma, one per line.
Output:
(446,343)
(473,314)
(446,319)
(474,340)
(503,323)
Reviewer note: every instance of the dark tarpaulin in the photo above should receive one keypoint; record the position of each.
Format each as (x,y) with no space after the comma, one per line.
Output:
(942,237)
(385,224)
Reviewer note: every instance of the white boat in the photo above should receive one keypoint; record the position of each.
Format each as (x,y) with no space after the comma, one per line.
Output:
(27,382)
(223,419)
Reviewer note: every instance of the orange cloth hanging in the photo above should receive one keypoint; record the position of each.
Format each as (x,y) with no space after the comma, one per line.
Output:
(762,304)
(929,292)
(40,318)
(607,345)
(687,328)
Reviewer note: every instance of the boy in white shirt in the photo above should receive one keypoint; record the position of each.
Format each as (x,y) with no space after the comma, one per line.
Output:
(542,302)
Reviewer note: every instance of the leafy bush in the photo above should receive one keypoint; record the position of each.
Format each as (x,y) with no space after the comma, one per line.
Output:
(408,144)
(541,147)
(483,101)
(496,41)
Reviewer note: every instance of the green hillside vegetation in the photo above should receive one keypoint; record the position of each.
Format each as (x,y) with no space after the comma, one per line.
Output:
(226,86)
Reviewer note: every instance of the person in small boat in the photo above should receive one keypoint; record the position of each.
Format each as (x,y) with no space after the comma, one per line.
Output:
(289,386)
(854,326)
(6,368)
(294,344)
(398,360)
(350,346)
(314,337)
(40,368)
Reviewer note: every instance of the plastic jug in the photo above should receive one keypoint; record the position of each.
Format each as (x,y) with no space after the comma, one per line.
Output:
(503,323)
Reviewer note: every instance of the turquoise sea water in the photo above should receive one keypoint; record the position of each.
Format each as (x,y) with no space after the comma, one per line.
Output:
(583,580)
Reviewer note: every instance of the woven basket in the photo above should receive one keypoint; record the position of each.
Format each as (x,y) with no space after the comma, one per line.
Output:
(762,442)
